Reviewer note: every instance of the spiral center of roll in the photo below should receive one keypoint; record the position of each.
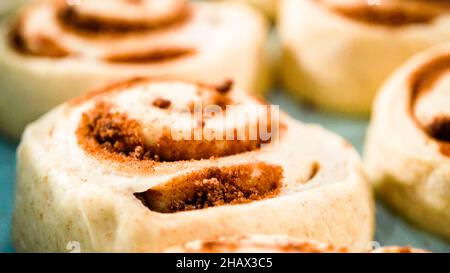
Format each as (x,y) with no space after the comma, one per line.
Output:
(103,30)
(430,104)
(170,127)
(392,13)
(213,187)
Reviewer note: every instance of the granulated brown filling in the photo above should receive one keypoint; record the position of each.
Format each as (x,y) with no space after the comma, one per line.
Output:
(101,130)
(215,187)
(212,192)
(421,82)
(104,132)
(394,16)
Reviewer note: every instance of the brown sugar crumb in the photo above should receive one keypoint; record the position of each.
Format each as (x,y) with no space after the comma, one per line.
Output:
(101,129)
(215,187)
(162,103)
(225,87)
(440,128)
(211,193)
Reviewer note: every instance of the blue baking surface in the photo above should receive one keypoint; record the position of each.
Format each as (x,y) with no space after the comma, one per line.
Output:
(391,230)
(7,174)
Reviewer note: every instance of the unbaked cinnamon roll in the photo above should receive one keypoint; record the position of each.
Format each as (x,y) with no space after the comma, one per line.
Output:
(272,244)
(153,163)
(55,50)
(408,146)
(336,54)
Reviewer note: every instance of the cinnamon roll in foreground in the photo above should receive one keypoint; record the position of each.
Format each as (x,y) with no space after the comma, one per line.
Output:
(272,244)
(408,145)
(55,51)
(149,164)
(337,53)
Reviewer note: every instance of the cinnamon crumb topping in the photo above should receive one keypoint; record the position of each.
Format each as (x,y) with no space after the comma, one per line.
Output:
(162,103)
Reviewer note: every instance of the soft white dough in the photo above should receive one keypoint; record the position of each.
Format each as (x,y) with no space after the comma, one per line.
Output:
(409,167)
(65,193)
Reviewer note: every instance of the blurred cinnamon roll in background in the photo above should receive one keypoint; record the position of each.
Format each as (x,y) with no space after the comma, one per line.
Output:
(140,167)
(337,53)
(57,49)
(408,147)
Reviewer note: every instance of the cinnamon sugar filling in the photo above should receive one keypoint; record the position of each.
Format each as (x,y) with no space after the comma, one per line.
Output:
(90,27)
(421,82)
(394,13)
(213,187)
(114,133)
(44,46)
(70,19)
(106,133)
(151,56)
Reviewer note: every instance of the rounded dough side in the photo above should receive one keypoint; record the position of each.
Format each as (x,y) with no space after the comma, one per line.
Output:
(339,65)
